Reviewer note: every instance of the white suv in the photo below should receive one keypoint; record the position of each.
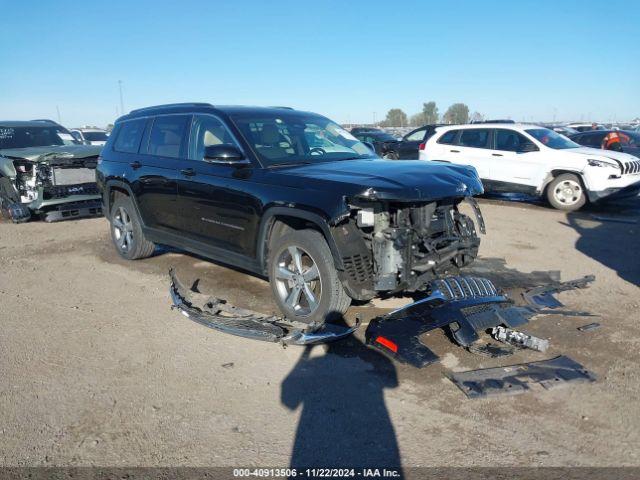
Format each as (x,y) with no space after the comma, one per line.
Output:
(535,160)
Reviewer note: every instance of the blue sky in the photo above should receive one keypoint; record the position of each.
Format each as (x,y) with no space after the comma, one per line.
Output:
(522,59)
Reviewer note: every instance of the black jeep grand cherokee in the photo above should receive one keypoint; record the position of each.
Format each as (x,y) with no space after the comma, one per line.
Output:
(286,194)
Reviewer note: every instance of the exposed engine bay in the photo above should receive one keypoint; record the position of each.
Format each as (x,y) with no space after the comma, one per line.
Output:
(56,185)
(392,247)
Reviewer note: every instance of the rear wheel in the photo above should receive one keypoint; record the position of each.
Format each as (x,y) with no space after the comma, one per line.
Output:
(566,192)
(126,230)
(304,280)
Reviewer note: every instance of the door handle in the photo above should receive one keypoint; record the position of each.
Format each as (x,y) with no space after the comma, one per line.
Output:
(454,151)
(135,165)
(188,172)
(496,154)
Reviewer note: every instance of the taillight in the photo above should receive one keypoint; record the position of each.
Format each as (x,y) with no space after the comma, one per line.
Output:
(422,146)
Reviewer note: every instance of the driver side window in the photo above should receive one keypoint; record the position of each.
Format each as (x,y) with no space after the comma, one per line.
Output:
(512,141)
(207,130)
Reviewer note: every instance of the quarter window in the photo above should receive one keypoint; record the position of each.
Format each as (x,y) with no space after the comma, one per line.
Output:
(166,135)
(474,137)
(449,137)
(129,136)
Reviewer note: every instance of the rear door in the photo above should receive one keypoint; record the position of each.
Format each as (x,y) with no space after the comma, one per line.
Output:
(155,171)
(408,148)
(473,148)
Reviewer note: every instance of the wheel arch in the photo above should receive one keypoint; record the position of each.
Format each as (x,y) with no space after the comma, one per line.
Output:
(279,220)
(556,172)
(112,187)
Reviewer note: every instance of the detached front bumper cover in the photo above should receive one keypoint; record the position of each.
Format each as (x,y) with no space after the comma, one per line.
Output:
(218,314)
(464,305)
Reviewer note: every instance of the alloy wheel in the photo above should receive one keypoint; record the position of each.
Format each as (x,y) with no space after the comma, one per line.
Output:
(122,229)
(298,281)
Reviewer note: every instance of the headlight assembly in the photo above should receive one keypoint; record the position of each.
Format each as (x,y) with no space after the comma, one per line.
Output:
(602,163)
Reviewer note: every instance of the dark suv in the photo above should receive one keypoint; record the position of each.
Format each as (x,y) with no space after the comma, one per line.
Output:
(285,194)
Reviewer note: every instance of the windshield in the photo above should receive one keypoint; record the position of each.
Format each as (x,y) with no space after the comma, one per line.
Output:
(551,139)
(284,138)
(25,137)
(95,136)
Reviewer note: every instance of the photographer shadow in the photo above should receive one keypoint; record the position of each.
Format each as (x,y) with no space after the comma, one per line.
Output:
(344,421)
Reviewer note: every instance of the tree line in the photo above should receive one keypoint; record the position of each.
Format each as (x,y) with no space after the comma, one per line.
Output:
(456,113)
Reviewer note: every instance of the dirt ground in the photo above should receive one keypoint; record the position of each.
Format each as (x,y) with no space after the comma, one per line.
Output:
(96,369)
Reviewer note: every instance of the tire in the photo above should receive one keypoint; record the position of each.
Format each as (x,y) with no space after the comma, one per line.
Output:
(126,230)
(390,156)
(560,196)
(284,276)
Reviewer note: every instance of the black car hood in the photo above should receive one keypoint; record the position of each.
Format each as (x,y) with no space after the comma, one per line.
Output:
(404,180)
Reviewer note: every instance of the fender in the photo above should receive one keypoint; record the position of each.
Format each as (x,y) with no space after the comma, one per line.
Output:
(109,184)
(267,220)
(560,170)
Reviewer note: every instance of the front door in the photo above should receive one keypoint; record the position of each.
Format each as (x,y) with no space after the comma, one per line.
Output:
(213,205)
(517,164)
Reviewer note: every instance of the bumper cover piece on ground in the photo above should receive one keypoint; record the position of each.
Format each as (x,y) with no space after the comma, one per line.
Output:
(467,306)
(514,379)
(217,314)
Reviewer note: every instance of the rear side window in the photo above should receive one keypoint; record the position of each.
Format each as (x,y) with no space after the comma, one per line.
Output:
(167,134)
(129,136)
(449,137)
(475,138)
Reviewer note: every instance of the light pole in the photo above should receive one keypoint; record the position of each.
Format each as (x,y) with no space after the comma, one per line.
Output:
(121,101)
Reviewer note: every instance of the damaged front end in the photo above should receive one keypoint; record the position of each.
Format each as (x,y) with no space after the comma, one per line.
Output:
(55,184)
(390,246)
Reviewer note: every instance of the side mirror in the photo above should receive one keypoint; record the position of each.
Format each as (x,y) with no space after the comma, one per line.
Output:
(223,152)
(527,147)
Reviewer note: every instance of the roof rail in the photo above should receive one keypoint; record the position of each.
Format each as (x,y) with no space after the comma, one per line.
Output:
(169,105)
(284,108)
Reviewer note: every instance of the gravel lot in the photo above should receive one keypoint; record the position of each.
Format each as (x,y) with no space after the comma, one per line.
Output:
(97,370)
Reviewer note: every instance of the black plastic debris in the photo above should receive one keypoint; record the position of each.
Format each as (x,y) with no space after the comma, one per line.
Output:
(589,327)
(217,314)
(515,379)
(491,350)
(542,297)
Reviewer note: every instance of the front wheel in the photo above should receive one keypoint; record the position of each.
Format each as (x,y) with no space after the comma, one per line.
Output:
(566,192)
(304,280)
